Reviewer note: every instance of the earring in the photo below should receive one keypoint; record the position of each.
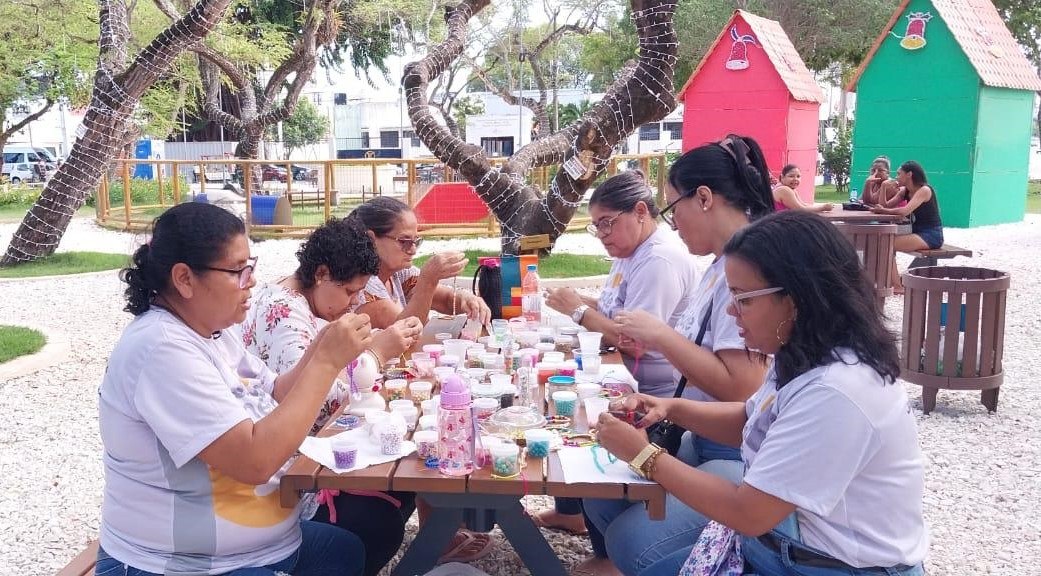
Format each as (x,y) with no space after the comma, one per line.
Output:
(777,332)
(704,208)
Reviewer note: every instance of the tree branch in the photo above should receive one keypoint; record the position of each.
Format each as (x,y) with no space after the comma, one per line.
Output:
(14,128)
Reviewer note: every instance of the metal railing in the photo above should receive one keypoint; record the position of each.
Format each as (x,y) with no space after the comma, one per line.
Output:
(314,190)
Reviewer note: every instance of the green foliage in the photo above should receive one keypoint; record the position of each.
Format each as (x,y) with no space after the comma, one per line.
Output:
(142,192)
(17,341)
(571,112)
(304,127)
(463,108)
(66,263)
(838,157)
(604,52)
(18,196)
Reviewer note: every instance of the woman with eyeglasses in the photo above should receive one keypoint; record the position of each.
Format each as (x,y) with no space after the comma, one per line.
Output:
(833,476)
(335,263)
(712,192)
(197,432)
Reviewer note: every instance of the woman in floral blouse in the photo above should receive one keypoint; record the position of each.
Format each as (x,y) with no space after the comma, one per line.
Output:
(284,317)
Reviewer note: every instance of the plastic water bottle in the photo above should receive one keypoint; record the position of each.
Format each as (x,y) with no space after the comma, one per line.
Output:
(528,384)
(854,195)
(455,428)
(531,298)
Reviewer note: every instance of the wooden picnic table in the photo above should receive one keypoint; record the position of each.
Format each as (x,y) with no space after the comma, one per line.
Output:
(839,214)
(477,499)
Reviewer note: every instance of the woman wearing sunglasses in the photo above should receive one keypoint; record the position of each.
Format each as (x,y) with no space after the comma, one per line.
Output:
(833,477)
(400,290)
(197,432)
(335,263)
(712,192)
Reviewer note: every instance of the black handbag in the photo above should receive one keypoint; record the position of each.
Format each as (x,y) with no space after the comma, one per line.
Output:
(667,434)
(488,285)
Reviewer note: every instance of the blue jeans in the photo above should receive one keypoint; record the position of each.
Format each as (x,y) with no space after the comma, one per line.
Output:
(634,541)
(762,561)
(324,551)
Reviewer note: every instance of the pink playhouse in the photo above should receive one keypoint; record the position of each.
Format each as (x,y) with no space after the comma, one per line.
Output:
(752,82)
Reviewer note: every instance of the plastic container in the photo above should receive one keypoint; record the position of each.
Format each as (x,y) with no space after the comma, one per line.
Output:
(456,347)
(423,364)
(421,390)
(395,388)
(564,402)
(345,450)
(442,372)
(485,391)
(531,295)
(546,334)
(390,434)
(492,361)
(429,407)
(456,429)
(435,351)
(588,390)
(568,368)
(484,456)
(374,417)
(553,357)
(485,407)
(449,360)
(528,338)
(538,441)
(473,357)
(590,362)
(594,407)
(410,413)
(512,422)
(505,460)
(545,370)
(399,404)
(589,341)
(563,344)
(427,422)
(560,383)
(426,443)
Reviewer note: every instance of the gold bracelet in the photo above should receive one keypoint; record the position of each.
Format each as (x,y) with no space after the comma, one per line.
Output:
(651,464)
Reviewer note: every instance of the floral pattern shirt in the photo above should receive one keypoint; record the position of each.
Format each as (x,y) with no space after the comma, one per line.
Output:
(403,283)
(278,329)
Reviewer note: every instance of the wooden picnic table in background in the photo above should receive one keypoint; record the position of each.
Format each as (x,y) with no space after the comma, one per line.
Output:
(839,214)
(477,499)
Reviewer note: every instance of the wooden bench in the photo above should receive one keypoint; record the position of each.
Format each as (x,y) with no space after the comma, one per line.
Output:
(932,257)
(83,563)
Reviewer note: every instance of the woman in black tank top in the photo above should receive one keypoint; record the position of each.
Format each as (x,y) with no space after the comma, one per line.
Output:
(922,208)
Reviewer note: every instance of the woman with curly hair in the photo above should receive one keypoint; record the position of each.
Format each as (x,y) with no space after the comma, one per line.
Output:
(284,317)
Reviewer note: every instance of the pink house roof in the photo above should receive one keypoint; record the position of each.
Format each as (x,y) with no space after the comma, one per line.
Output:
(779,49)
(977,27)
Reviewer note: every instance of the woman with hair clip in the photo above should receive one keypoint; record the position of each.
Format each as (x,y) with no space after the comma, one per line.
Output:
(197,432)
(651,271)
(712,192)
(832,479)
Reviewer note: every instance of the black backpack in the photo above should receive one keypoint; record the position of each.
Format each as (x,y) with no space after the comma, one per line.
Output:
(488,285)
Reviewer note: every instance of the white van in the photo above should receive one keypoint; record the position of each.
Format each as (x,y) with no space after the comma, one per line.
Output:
(20,164)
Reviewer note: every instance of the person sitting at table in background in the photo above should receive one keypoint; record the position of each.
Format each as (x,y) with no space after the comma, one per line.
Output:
(651,271)
(197,432)
(921,206)
(400,290)
(785,196)
(879,187)
(335,262)
(713,191)
(833,475)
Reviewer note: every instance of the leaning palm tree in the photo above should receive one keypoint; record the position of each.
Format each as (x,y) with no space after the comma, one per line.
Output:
(642,93)
(119,83)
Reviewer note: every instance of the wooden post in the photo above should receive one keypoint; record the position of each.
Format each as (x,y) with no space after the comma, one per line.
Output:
(375,182)
(159,180)
(127,192)
(247,185)
(289,180)
(176,183)
(328,190)
(202,178)
(410,194)
(661,180)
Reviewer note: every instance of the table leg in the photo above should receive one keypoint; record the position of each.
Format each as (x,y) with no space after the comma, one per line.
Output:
(528,542)
(431,541)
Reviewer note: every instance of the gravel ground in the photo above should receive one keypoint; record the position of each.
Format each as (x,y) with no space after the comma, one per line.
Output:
(983,487)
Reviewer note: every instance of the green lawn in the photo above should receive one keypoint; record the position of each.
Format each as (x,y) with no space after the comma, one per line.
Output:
(66,263)
(552,266)
(15,212)
(827,193)
(16,341)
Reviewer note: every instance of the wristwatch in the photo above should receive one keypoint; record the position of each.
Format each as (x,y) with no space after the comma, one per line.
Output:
(644,462)
(579,312)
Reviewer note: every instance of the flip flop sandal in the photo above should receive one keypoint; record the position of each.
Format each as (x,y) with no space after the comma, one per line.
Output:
(471,546)
(539,522)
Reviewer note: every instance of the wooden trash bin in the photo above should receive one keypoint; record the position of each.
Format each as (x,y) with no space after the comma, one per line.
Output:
(874,246)
(953,333)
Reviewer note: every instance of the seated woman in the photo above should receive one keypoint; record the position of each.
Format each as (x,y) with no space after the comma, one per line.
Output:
(284,317)
(833,475)
(651,271)
(713,191)
(400,290)
(197,432)
(879,187)
(921,206)
(785,196)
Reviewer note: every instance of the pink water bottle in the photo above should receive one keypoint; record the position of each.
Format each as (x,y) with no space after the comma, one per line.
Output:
(455,427)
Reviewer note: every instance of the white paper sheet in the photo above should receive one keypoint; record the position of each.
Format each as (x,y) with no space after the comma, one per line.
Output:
(579,467)
(438,323)
(610,373)
(321,451)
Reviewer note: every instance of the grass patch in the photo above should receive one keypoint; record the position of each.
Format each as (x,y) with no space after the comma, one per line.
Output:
(1034,197)
(17,341)
(552,266)
(66,263)
(827,193)
(15,212)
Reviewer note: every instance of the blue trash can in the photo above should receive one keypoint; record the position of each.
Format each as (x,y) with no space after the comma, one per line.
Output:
(263,208)
(202,199)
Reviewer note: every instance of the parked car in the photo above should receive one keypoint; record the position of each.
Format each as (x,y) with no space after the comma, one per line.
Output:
(269,173)
(304,173)
(27,164)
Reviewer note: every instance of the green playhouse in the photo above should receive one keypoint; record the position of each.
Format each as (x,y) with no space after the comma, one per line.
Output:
(947,85)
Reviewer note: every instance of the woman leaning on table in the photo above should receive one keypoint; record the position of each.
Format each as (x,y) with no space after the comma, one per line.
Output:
(833,477)
(399,289)
(712,192)
(335,262)
(196,431)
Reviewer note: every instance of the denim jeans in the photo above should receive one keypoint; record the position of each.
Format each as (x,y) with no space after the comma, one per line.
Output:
(634,541)
(324,551)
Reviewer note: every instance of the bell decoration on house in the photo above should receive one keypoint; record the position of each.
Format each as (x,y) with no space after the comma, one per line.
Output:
(738,59)
(914,35)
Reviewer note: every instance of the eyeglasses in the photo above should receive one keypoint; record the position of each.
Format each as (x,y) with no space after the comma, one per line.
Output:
(667,213)
(603,226)
(742,298)
(407,243)
(245,273)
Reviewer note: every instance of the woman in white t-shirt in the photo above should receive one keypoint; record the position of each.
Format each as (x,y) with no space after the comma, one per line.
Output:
(401,290)
(335,262)
(196,431)
(833,478)
(712,192)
